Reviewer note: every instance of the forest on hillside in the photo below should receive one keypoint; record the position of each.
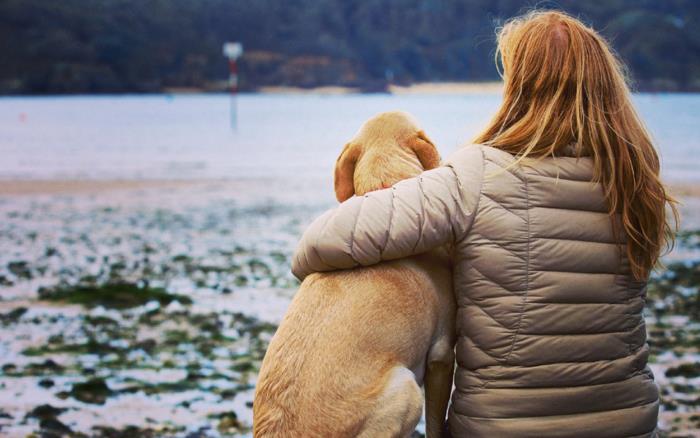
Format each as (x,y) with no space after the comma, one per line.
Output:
(114,46)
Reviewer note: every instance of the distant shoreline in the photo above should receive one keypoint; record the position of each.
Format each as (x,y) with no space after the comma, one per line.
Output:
(427,88)
(419,88)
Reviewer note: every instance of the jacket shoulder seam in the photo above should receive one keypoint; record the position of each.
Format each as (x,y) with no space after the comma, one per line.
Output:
(421,217)
(354,230)
(382,250)
(477,204)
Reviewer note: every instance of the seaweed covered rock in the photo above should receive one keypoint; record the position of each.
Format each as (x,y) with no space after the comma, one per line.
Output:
(49,425)
(12,316)
(120,295)
(93,391)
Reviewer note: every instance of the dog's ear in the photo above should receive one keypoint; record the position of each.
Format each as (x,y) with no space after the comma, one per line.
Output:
(345,170)
(425,150)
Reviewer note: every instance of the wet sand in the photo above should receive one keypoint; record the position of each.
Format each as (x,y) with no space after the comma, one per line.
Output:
(688,194)
(48,187)
(177,368)
(214,255)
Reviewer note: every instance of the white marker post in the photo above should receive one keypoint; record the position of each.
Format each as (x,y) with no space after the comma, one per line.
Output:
(233,51)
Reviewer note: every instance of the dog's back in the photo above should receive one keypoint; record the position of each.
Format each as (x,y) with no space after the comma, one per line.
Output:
(343,332)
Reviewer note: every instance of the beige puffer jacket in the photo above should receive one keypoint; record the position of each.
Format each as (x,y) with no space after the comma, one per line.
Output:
(551,337)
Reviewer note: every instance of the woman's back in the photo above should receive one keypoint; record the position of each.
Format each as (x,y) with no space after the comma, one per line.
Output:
(559,219)
(551,337)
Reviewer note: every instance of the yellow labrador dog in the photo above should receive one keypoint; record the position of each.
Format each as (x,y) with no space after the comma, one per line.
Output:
(353,349)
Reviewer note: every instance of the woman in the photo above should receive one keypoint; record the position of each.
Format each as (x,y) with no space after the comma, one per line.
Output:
(561,218)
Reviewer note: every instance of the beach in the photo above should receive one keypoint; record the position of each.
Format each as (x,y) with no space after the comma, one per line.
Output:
(177,356)
(181,361)
(147,241)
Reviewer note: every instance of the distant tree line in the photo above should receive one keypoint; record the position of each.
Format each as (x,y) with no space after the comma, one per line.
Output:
(114,46)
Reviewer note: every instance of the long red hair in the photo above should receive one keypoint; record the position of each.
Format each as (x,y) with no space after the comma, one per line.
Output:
(563,86)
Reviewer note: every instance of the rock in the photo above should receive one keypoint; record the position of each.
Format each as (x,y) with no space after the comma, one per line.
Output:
(13,315)
(45,412)
(47,366)
(127,432)
(20,269)
(688,370)
(93,391)
(4,281)
(46,383)
(52,427)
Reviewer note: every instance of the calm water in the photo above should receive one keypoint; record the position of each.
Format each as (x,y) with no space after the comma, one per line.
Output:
(190,136)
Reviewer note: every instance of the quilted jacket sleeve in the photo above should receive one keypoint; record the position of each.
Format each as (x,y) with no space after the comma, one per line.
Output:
(414,216)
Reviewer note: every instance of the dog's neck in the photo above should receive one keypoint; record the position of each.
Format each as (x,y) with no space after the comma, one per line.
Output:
(377,170)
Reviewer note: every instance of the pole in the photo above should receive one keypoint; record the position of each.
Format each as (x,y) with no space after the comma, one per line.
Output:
(233,83)
(233,51)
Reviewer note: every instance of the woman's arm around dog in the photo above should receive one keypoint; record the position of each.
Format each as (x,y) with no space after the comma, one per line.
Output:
(414,216)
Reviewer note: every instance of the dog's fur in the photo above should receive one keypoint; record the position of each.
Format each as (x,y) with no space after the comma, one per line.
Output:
(354,346)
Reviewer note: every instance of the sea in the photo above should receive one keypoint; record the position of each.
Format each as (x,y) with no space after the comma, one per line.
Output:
(185,136)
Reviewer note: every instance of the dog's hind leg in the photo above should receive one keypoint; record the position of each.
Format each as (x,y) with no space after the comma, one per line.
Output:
(397,409)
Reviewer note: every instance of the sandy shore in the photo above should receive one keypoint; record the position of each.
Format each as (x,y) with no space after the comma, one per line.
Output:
(449,88)
(297,191)
(685,190)
(688,193)
(49,187)
(317,90)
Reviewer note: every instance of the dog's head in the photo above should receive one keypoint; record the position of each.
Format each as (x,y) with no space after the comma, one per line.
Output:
(389,147)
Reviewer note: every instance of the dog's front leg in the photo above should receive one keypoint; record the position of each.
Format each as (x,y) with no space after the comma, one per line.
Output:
(438,386)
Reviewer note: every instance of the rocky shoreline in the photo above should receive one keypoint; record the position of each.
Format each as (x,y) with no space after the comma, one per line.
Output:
(145,309)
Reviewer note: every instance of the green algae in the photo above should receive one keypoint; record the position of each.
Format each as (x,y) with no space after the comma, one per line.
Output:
(91,346)
(135,431)
(228,423)
(186,384)
(47,367)
(120,295)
